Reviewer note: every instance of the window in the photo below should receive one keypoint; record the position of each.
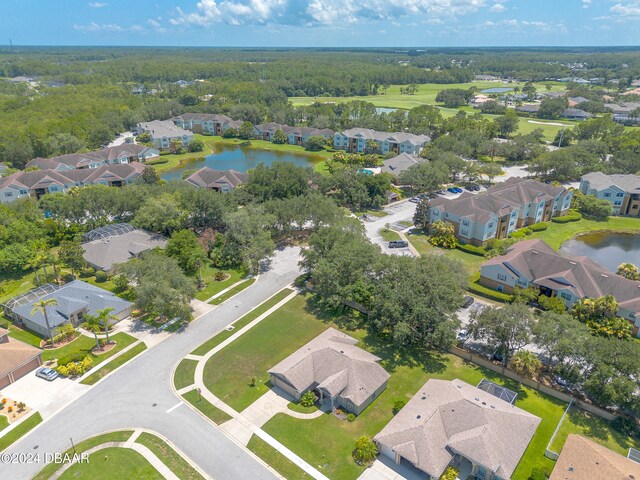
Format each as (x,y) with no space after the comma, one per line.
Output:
(465,223)
(619,194)
(490,225)
(617,203)
(464,232)
(607,194)
(502,277)
(565,296)
(8,194)
(23,192)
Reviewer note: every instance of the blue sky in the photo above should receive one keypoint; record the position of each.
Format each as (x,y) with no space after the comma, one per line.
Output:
(359,23)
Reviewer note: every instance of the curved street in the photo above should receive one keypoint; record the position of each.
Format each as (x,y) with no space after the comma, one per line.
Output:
(140,395)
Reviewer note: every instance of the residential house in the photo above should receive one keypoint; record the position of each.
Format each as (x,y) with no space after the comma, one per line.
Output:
(40,182)
(575,114)
(108,246)
(163,132)
(584,459)
(532,108)
(16,358)
(573,101)
(266,131)
(75,300)
(300,135)
(118,155)
(338,372)
(400,163)
(454,423)
(217,180)
(206,123)
(356,140)
(621,191)
(502,209)
(533,263)
(625,113)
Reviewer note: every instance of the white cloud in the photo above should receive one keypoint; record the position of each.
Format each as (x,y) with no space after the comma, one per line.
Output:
(586,3)
(310,12)
(107,27)
(628,10)
(97,4)
(498,7)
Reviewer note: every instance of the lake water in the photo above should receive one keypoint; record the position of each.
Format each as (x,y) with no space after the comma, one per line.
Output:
(241,159)
(496,90)
(386,110)
(607,249)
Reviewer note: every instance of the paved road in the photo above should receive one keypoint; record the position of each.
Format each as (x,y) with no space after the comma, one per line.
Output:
(139,395)
(396,213)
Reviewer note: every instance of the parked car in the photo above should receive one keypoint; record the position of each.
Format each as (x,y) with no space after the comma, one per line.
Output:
(451,190)
(457,190)
(475,188)
(398,244)
(561,382)
(414,199)
(433,195)
(462,336)
(47,373)
(498,356)
(468,301)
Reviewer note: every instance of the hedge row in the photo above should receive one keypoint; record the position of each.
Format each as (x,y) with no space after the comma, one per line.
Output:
(571,216)
(539,227)
(472,249)
(475,287)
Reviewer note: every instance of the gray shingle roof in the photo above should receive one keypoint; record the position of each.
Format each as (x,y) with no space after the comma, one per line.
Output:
(163,128)
(209,178)
(79,160)
(600,181)
(444,416)
(72,298)
(105,253)
(333,362)
(398,137)
(400,163)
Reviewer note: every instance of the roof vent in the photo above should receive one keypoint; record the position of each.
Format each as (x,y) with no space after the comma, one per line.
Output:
(534,252)
(418,416)
(477,399)
(423,397)
(572,263)
(484,403)
(341,351)
(604,276)
(493,406)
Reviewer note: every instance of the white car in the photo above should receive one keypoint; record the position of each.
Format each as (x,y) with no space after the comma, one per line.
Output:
(47,373)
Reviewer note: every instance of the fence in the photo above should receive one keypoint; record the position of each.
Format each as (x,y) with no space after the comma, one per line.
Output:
(548,452)
(478,360)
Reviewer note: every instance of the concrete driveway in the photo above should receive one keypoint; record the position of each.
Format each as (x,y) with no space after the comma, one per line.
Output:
(46,397)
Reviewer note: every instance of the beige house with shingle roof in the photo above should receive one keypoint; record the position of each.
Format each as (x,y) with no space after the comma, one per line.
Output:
(217,180)
(453,423)
(16,358)
(341,374)
(584,459)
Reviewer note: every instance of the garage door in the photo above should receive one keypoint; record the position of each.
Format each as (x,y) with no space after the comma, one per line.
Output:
(4,381)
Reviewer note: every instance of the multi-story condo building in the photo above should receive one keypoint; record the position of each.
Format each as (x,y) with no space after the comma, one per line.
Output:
(621,191)
(358,140)
(163,132)
(500,210)
(211,123)
(533,263)
(121,154)
(40,182)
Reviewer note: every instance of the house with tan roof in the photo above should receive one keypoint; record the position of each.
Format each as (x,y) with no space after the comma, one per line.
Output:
(584,459)
(40,182)
(356,140)
(163,132)
(621,191)
(454,423)
(338,372)
(533,263)
(502,209)
(206,123)
(16,358)
(217,180)
(120,154)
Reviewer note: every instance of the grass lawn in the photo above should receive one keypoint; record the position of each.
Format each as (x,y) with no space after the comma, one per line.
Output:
(237,289)
(389,235)
(296,407)
(276,460)
(24,427)
(121,436)
(373,213)
(111,366)
(112,463)
(169,457)
(26,336)
(4,422)
(470,262)
(597,429)
(84,345)
(212,286)
(185,373)
(238,324)
(212,412)
(557,233)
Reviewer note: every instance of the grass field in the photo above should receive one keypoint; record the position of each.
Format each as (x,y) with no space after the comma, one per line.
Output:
(558,233)
(389,235)
(24,427)
(276,460)
(113,462)
(212,286)
(326,442)
(234,291)
(185,373)
(4,422)
(84,345)
(470,262)
(169,457)
(210,411)
(238,324)
(111,366)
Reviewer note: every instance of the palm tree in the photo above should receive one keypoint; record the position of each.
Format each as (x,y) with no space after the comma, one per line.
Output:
(41,306)
(92,323)
(106,319)
(526,363)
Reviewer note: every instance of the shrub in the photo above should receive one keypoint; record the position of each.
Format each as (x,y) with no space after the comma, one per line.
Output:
(472,249)
(538,227)
(70,358)
(351,417)
(518,234)
(9,409)
(101,276)
(397,406)
(537,474)
(308,399)
(87,272)
(443,235)
(219,276)
(571,216)
(68,277)
(62,370)
(253,381)
(626,426)
(553,304)
(475,287)
(65,332)
(121,283)
(366,451)
(21,406)
(449,474)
